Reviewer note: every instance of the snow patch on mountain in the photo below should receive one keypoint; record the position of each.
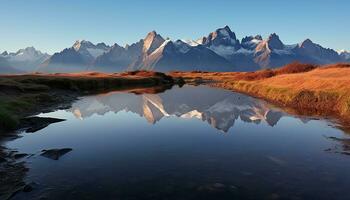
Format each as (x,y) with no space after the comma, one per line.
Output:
(192,42)
(94,52)
(182,46)
(244,51)
(344,54)
(192,114)
(224,51)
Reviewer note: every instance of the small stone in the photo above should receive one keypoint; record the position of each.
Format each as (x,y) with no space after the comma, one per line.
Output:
(55,154)
(20,155)
(2,160)
(27,188)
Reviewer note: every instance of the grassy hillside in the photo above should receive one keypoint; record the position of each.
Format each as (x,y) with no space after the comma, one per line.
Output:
(309,89)
(23,95)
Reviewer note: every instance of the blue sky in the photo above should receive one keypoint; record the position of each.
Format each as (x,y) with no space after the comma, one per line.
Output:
(53,25)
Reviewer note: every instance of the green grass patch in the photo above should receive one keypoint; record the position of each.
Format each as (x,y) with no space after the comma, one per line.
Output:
(8,120)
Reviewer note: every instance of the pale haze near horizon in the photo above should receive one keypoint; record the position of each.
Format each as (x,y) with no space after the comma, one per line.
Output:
(51,26)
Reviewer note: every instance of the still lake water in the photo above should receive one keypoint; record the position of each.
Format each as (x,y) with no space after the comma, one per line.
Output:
(185,143)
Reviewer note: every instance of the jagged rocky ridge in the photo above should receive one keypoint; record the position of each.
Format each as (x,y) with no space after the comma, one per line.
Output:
(221,50)
(24,60)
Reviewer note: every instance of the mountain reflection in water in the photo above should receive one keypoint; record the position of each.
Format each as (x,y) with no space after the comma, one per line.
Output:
(220,108)
(141,144)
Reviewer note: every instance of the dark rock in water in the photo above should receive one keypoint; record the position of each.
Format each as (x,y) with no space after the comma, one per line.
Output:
(344,144)
(2,159)
(34,124)
(20,155)
(12,175)
(55,154)
(27,188)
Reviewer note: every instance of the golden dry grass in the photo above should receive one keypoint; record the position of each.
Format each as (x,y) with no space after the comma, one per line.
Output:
(316,90)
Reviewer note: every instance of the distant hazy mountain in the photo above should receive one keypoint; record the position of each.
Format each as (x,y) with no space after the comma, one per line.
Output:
(76,58)
(24,60)
(220,50)
(345,55)
(6,68)
(118,58)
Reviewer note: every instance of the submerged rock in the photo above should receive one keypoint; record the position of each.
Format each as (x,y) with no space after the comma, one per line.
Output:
(55,154)
(2,159)
(28,187)
(343,147)
(34,124)
(20,155)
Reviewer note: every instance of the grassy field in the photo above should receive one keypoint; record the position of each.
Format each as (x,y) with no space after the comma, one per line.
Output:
(23,95)
(308,89)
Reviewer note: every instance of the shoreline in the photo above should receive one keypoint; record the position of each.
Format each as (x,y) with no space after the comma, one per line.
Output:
(26,95)
(299,88)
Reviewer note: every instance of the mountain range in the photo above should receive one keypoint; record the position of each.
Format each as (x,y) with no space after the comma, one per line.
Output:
(221,50)
(24,60)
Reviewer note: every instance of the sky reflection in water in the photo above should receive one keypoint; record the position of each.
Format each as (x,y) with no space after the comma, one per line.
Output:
(185,143)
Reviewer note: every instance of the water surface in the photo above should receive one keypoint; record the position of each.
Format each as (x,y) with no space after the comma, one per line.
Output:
(185,143)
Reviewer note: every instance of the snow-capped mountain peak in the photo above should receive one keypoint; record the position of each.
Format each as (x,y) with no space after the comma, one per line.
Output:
(82,44)
(192,42)
(274,42)
(26,54)
(88,49)
(221,37)
(26,59)
(220,50)
(152,41)
(5,53)
(250,42)
(222,41)
(307,43)
(183,47)
(343,51)
(344,54)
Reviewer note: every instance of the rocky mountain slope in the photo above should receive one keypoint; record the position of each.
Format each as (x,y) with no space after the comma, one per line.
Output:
(24,60)
(220,50)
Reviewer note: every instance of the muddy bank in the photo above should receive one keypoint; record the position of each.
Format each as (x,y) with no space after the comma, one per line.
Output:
(12,173)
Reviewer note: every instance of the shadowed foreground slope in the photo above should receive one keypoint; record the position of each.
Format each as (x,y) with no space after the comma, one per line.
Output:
(24,95)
